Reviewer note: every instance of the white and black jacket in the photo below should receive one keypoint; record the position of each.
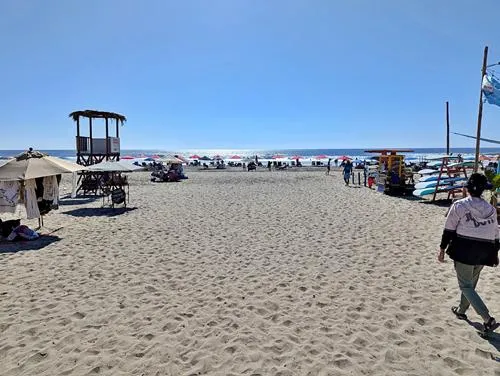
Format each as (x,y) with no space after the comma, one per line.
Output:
(471,232)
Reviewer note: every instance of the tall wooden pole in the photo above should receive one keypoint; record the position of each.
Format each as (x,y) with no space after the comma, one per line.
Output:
(447,129)
(480,113)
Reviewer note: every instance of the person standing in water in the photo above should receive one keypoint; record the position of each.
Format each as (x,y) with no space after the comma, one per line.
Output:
(471,239)
(347,171)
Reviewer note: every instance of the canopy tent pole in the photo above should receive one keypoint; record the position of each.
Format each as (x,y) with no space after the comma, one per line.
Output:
(480,113)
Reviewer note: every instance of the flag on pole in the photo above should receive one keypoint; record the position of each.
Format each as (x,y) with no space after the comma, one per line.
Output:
(491,89)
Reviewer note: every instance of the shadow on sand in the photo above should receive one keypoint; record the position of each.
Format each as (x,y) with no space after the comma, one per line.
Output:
(28,245)
(98,212)
(493,338)
(444,203)
(67,201)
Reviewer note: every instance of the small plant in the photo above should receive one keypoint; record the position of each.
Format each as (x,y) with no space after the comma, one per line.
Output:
(493,178)
(496,181)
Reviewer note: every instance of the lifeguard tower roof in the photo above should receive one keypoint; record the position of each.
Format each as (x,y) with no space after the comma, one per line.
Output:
(97,115)
(389,151)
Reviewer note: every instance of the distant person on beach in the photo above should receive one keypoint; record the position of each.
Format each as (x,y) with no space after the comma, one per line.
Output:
(470,238)
(336,161)
(269,165)
(328,165)
(347,171)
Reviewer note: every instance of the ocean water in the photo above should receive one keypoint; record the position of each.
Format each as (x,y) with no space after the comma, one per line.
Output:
(307,154)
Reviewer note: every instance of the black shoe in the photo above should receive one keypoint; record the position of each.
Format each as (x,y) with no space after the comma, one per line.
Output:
(460,316)
(491,325)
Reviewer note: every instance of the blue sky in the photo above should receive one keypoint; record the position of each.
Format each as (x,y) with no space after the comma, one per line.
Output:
(247,73)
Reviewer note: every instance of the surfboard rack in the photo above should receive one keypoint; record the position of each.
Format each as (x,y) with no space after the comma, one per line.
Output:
(447,172)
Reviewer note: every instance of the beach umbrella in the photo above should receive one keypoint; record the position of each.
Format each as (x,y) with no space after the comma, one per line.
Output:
(127,157)
(184,160)
(33,164)
(170,160)
(195,156)
(235,157)
(149,159)
(321,156)
(114,166)
(205,158)
(345,158)
(297,157)
(217,157)
(486,158)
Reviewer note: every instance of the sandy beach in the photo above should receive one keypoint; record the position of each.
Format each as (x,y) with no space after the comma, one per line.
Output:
(240,273)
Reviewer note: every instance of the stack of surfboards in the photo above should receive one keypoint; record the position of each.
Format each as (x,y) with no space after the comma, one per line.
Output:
(427,183)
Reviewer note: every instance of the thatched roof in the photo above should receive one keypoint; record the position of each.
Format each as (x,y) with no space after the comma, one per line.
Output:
(97,115)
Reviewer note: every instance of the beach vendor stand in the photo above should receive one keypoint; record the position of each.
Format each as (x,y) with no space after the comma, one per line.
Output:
(392,176)
(32,179)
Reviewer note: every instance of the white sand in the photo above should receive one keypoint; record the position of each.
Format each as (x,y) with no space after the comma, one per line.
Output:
(237,273)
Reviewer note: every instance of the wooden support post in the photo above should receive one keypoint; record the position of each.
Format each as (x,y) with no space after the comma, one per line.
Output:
(480,112)
(107,140)
(91,143)
(118,136)
(447,129)
(78,139)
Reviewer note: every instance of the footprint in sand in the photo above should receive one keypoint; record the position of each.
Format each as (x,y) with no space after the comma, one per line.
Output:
(78,315)
(421,321)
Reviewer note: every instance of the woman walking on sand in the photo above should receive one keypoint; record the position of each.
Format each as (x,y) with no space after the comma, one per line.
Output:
(347,171)
(470,238)
(328,165)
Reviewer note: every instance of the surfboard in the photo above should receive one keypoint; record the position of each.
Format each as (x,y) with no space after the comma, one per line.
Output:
(434,164)
(427,171)
(430,177)
(429,191)
(435,177)
(464,164)
(444,182)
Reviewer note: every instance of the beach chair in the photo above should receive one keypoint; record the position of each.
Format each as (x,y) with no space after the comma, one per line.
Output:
(118,196)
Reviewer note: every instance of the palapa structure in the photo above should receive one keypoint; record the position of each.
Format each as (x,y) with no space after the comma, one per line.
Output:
(91,150)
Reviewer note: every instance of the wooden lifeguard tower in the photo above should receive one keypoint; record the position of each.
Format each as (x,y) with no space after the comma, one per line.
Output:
(91,150)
